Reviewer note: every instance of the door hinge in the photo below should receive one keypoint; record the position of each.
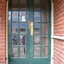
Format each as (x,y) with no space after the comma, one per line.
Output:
(5,58)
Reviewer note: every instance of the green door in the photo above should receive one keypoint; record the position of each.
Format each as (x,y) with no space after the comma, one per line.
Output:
(29,32)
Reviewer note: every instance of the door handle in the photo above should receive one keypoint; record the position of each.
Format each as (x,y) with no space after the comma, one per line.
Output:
(30,26)
(31,30)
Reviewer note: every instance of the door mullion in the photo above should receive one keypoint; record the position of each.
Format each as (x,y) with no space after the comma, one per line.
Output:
(40,28)
(32,21)
(18,29)
(27,12)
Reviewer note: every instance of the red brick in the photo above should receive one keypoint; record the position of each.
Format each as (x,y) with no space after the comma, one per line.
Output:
(2,31)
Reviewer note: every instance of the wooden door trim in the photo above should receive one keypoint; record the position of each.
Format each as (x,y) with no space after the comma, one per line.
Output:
(7,32)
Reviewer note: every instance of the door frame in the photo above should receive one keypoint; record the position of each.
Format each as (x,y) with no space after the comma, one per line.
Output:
(6,32)
(52,20)
(52,30)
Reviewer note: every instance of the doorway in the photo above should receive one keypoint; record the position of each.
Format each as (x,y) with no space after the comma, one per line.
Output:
(29,32)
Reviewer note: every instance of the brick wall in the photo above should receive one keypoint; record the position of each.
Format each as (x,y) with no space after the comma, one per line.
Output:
(2,31)
(58,31)
(59,17)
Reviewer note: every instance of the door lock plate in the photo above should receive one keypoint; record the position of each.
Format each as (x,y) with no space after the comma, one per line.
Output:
(31,28)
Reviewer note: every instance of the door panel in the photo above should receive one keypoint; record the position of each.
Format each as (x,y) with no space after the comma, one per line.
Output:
(41,37)
(29,31)
(18,32)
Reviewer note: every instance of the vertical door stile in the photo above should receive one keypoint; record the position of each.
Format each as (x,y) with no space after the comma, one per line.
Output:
(40,28)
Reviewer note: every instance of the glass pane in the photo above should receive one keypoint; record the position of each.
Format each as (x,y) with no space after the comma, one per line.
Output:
(14,52)
(14,28)
(9,15)
(9,20)
(22,4)
(22,52)
(37,40)
(36,4)
(36,16)
(44,16)
(23,27)
(14,39)
(45,40)
(36,28)
(23,16)
(14,4)
(36,52)
(22,40)
(44,28)
(15,16)
(44,5)
(44,51)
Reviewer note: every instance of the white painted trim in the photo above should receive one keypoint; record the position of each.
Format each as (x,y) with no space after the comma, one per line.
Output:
(52,29)
(58,37)
(7,32)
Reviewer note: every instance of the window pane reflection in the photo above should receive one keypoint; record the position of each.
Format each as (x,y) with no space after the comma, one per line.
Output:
(36,17)
(22,40)
(14,4)
(44,28)
(14,52)
(45,40)
(45,5)
(36,28)
(14,39)
(37,40)
(44,16)
(14,28)
(23,16)
(9,14)
(15,16)
(23,5)
(22,52)
(36,52)
(44,51)
(36,4)
(23,28)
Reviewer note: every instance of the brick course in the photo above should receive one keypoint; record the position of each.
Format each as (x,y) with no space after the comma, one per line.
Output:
(58,31)
(2,31)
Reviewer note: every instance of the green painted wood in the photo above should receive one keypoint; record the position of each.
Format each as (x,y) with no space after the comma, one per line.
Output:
(30,59)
